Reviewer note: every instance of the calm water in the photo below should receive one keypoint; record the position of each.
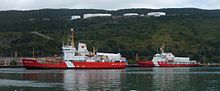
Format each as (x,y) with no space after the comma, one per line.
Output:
(135,79)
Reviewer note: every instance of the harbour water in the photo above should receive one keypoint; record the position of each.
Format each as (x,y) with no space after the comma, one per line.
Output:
(129,79)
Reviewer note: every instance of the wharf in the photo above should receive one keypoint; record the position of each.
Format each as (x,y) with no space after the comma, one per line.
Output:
(132,65)
(11,66)
(211,65)
(202,65)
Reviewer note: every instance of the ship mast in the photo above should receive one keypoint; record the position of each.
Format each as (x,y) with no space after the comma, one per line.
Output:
(72,40)
(93,50)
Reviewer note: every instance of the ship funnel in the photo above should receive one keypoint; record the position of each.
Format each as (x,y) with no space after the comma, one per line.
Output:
(82,49)
(162,49)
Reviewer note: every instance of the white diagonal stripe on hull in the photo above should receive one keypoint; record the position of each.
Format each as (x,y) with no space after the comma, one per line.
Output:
(156,63)
(69,64)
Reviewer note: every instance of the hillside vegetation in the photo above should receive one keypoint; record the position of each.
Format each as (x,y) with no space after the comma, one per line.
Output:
(185,32)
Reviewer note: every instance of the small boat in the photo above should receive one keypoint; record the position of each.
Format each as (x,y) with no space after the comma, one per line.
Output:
(168,60)
(77,58)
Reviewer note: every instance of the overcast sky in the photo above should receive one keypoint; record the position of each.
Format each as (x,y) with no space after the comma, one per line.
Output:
(106,4)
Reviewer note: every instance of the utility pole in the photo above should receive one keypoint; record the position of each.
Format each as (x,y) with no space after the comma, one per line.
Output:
(157,48)
(33,52)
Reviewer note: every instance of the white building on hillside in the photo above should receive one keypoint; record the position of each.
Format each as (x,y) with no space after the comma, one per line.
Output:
(95,15)
(130,14)
(156,14)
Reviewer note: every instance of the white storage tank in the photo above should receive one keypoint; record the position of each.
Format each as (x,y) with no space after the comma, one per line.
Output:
(156,14)
(75,17)
(130,14)
(95,15)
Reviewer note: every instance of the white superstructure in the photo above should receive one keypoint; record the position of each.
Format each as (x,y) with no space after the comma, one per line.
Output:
(169,57)
(111,56)
(71,53)
(82,54)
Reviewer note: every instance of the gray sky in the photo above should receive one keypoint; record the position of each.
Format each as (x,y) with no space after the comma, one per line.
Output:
(107,4)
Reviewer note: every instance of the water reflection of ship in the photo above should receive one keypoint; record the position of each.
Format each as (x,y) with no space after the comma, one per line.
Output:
(47,77)
(166,78)
(92,79)
(74,80)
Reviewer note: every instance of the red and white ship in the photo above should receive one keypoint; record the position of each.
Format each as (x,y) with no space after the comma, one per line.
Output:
(168,60)
(77,58)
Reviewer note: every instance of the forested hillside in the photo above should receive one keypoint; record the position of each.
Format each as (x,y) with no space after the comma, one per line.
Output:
(185,32)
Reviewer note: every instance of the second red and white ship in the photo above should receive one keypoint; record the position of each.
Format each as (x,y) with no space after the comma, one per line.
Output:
(168,60)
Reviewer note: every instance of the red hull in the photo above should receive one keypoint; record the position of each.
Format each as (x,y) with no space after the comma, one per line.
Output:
(164,64)
(34,64)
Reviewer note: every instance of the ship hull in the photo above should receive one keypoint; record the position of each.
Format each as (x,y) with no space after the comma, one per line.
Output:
(35,64)
(165,64)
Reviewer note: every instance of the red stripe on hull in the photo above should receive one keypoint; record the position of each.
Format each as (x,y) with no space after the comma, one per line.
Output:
(34,64)
(179,65)
(99,65)
(164,64)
